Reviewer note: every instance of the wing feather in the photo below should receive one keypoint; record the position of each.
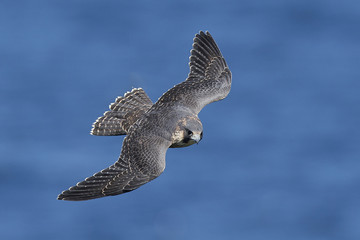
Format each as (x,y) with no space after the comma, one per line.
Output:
(209,79)
(142,159)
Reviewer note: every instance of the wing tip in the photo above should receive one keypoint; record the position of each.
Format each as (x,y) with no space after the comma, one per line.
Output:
(207,39)
(203,34)
(67,195)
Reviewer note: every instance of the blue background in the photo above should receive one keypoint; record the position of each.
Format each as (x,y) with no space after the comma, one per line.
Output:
(280,155)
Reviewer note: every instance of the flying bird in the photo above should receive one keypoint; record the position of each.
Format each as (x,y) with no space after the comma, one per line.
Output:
(171,122)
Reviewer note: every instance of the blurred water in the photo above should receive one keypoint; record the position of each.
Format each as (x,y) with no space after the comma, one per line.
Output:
(280,155)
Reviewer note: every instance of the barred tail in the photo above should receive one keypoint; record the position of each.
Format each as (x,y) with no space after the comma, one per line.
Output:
(123,113)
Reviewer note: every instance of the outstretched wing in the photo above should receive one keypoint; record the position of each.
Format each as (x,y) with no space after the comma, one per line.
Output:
(209,79)
(142,159)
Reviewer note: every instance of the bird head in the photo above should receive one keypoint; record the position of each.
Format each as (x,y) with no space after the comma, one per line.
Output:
(188,131)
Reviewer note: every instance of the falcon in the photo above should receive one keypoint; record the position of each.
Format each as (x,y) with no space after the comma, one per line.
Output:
(171,122)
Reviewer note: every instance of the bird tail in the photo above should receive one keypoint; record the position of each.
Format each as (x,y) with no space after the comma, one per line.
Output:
(123,113)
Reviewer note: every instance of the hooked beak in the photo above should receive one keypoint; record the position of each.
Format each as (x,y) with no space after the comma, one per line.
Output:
(197,137)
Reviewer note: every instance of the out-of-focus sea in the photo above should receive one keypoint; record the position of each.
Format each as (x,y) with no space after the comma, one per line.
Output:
(280,157)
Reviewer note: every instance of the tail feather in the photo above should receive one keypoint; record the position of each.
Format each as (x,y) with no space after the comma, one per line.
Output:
(123,113)
(131,100)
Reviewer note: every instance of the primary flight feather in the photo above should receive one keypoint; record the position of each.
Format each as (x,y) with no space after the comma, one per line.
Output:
(152,128)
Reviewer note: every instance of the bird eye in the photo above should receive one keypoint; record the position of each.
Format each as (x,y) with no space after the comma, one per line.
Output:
(189,132)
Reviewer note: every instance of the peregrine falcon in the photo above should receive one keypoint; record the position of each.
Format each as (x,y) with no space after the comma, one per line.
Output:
(171,122)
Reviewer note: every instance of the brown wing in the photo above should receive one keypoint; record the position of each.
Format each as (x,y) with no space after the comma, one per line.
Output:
(209,79)
(142,159)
